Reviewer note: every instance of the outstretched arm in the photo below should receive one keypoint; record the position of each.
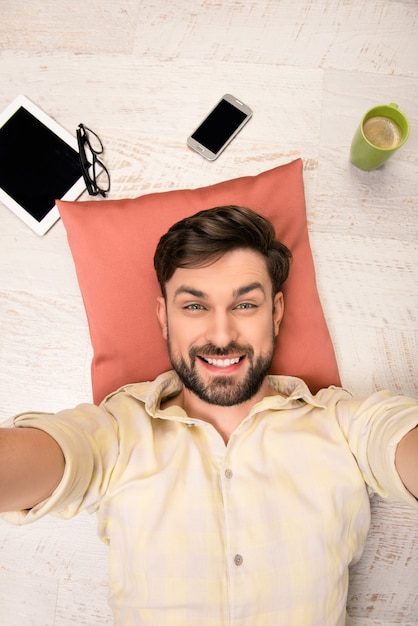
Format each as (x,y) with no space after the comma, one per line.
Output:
(31,467)
(407,461)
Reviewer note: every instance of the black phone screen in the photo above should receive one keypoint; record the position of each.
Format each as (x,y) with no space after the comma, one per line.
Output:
(220,124)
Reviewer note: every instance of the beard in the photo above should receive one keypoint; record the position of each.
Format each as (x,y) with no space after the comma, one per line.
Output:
(223,390)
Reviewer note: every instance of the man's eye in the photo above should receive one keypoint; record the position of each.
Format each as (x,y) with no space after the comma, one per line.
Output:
(193,307)
(246,305)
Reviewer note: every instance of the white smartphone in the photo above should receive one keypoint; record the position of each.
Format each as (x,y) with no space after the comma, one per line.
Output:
(219,128)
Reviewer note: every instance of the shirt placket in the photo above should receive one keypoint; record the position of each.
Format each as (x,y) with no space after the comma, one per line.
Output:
(234,552)
(224,462)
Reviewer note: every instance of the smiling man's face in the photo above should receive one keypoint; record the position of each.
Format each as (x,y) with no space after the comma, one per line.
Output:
(220,323)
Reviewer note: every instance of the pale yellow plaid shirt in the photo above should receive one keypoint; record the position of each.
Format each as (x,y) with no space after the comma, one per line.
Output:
(259,532)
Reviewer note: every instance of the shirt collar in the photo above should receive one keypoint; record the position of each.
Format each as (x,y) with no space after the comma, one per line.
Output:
(292,392)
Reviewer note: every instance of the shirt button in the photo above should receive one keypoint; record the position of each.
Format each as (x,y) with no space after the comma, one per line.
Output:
(238,560)
(229,473)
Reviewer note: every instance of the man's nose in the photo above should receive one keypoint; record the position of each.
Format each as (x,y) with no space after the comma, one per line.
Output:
(221,329)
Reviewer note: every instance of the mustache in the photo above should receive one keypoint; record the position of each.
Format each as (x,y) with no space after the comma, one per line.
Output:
(210,349)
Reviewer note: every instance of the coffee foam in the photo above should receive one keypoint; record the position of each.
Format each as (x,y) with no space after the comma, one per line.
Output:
(382,132)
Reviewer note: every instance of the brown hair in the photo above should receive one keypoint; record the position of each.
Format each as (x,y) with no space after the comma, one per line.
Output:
(203,238)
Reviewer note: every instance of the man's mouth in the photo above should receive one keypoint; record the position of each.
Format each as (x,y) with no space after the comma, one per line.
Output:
(222,363)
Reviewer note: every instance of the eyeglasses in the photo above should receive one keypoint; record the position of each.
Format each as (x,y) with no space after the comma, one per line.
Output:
(91,171)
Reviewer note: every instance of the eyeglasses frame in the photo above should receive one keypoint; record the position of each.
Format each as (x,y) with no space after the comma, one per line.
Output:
(91,182)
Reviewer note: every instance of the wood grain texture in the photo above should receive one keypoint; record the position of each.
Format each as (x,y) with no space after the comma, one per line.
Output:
(142,74)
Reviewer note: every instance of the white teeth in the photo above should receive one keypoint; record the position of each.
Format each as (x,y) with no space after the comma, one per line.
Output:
(222,362)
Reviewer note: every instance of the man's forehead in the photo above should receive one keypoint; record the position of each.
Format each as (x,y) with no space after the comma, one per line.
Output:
(237,272)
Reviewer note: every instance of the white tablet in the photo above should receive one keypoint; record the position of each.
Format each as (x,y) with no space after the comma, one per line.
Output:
(39,164)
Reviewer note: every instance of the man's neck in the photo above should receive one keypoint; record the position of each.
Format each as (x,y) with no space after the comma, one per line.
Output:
(225,419)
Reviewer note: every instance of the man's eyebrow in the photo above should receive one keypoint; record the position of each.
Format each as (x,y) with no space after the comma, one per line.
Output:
(237,293)
(242,291)
(196,293)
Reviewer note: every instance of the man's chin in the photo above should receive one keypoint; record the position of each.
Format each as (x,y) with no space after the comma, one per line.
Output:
(228,389)
(223,391)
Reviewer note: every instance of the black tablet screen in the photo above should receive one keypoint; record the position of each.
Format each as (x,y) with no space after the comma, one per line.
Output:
(36,166)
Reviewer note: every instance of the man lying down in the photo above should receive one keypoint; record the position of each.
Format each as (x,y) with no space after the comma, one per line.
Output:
(226,496)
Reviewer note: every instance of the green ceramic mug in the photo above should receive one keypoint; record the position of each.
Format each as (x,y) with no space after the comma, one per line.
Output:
(382,131)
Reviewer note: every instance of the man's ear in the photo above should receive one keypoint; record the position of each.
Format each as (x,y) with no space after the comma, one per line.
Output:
(278,310)
(162,315)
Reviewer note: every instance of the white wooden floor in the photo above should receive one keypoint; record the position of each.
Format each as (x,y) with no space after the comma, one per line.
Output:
(143,73)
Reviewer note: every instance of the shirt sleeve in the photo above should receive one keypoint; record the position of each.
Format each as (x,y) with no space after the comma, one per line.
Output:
(88,437)
(373,427)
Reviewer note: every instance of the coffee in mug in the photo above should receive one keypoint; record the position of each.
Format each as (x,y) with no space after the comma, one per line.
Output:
(382,131)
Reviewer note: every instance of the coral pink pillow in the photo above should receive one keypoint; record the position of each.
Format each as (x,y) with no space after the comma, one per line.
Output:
(113,243)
